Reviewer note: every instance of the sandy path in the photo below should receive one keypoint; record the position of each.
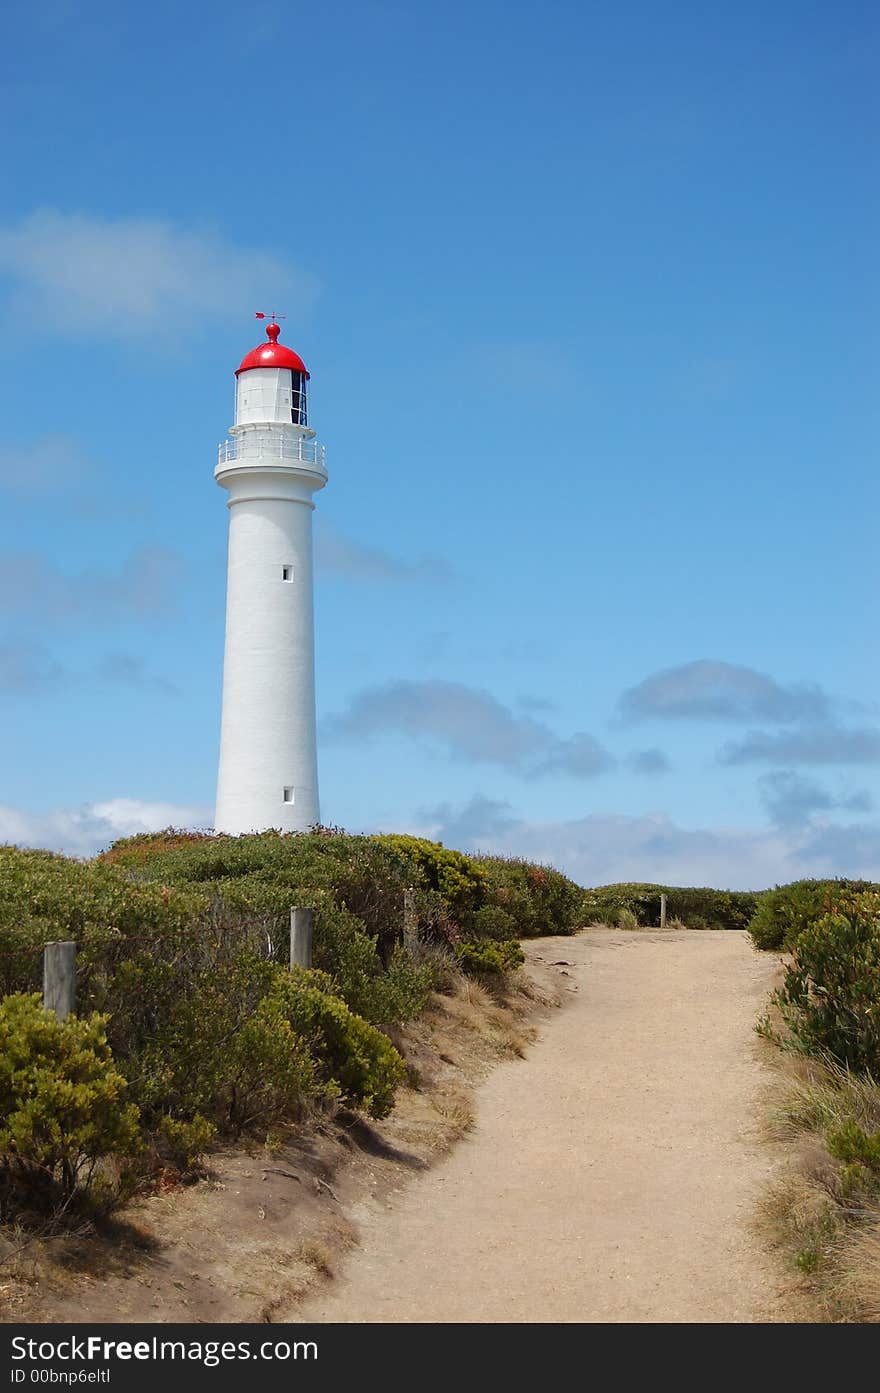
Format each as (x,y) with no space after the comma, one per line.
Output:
(611,1175)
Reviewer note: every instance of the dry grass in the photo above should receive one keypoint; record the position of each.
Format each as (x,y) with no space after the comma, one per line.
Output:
(455,1107)
(858,1273)
(830,1234)
(497,1023)
(318,1256)
(824,1096)
(626,919)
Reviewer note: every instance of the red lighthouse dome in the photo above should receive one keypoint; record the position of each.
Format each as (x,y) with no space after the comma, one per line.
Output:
(273,355)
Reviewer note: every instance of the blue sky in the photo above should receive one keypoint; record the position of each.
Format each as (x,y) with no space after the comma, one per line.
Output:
(588,293)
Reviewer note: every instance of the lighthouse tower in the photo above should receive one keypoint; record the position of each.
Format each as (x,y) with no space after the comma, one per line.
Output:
(271,466)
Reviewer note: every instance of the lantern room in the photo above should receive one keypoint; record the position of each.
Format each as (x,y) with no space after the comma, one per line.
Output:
(271,385)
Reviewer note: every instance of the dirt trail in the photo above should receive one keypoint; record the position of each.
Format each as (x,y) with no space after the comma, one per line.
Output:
(611,1175)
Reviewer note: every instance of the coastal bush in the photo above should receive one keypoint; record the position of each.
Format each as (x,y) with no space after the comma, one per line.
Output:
(44,896)
(267,872)
(386,991)
(355,884)
(695,907)
(825,1208)
(491,921)
(194,1037)
(63,1102)
(185,974)
(782,914)
(182,950)
(830,996)
(489,958)
(859,1151)
(537,899)
(459,879)
(358,1062)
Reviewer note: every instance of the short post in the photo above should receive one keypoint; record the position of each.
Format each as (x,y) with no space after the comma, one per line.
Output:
(663,911)
(59,978)
(410,919)
(302,932)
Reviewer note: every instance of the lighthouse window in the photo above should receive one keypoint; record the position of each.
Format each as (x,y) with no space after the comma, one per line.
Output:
(288,794)
(298,412)
(287,573)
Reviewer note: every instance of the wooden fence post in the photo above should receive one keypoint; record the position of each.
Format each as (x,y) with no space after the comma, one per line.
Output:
(302,932)
(59,978)
(663,911)
(410,920)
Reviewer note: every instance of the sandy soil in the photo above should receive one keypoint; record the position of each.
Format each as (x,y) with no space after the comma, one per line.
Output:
(610,1176)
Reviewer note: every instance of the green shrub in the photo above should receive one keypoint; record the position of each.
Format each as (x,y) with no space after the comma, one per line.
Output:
(695,907)
(387,993)
(491,921)
(267,872)
(44,897)
(62,1100)
(182,1144)
(198,1038)
(357,1060)
(271,1069)
(181,940)
(830,996)
(182,944)
(489,958)
(459,879)
(356,885)
(782,914)
(860,1153)
(244,1044)
(539,900)
(384,993)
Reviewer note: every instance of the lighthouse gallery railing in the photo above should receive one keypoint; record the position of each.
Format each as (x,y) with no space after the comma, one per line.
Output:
(248,447)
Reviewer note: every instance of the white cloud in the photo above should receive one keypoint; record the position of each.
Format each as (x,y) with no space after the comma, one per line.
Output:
(536,366)
(129,670)
(820,744)
(28,668)
(604,848)
(709,690)
(87,830)
(650,762)
(32,588)
(469,724)
(535,704)
(47,464)
(792,800)
(467,827)
(137,278)
(341,556)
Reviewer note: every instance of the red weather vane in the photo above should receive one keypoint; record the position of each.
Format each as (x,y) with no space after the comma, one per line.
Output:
(258,314)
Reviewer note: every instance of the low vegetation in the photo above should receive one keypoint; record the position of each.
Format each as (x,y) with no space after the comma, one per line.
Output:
(523,900)
(638,906)
(826,1017)
(63,1107)
(489,958)
(192,1028)
(782,914)
(190,1025)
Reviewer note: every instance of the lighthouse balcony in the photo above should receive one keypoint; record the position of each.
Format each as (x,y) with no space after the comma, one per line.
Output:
(259,448)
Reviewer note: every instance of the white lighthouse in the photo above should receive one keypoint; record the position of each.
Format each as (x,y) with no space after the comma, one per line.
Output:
(271,466)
